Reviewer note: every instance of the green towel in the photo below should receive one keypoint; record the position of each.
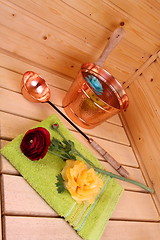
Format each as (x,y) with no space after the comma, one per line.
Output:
(88,220)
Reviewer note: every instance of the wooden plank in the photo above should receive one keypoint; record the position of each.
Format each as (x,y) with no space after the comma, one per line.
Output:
(8,129)
(123,154)
(56,94)
(150,84)
(131,230)
(146,16)
(142,118)
(99,11)
(36,228)
(94,11)
(150,60)
(29,199)
(12,81)
(51,36)
(16,189)
(12,77)
(136,206)
(38,53)
(81,25)
(16,104)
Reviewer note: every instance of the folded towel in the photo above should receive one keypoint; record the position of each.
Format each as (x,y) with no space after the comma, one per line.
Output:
(88,220)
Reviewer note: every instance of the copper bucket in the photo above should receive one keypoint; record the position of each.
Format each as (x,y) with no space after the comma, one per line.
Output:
(95,95)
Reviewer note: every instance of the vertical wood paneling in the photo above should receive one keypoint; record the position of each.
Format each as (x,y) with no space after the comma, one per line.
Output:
(143,120)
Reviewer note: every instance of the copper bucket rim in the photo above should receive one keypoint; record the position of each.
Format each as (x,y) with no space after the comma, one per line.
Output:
(110,80)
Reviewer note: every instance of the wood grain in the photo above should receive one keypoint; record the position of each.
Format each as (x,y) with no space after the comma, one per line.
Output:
(131,230)
(143,120)
(16,189)
(83,29)
(35,228)
(99,11)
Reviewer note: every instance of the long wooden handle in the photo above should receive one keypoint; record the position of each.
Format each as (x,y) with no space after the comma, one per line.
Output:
(115,38)
(118,167)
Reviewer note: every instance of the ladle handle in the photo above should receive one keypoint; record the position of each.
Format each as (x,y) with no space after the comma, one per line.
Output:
(63,115)
(115,38)
(97,147)
(117,166)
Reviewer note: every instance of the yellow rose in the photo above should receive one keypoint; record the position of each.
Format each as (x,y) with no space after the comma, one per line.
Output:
(82,183)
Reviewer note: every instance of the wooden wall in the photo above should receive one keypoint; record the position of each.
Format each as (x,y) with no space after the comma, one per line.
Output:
(59,35)
(143,119)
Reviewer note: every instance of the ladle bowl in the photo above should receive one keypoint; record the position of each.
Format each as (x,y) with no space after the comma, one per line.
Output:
(35,88)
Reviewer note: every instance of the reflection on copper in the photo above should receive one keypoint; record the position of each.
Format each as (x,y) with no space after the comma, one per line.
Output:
(109,80)
(34,88)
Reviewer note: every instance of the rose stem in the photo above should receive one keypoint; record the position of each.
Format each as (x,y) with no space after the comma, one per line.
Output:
(106,172)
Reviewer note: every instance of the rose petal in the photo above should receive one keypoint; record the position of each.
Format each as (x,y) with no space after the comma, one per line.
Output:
(35,143)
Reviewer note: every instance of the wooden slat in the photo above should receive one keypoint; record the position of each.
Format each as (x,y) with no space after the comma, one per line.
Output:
(123,154)
(146,15)
(12,81)
(38,228)
(16,104)
(35,228)
(99,11)
(36,52)
(150,60)
(136,206)
(143,119)
(17,190)
(81,27)
(29,199)
(131,230)
(51,36)
(56,97)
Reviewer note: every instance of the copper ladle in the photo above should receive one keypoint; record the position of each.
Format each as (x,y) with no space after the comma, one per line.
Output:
(35,89)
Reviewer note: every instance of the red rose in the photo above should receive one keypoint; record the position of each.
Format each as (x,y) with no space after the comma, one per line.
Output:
(35,143)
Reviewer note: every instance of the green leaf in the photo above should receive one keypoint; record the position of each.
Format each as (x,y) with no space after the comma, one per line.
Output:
(66,146)
(56,144)
(64,149)
(60,183)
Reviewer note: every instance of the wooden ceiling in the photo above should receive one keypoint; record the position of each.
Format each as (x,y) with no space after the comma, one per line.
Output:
(60,35)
